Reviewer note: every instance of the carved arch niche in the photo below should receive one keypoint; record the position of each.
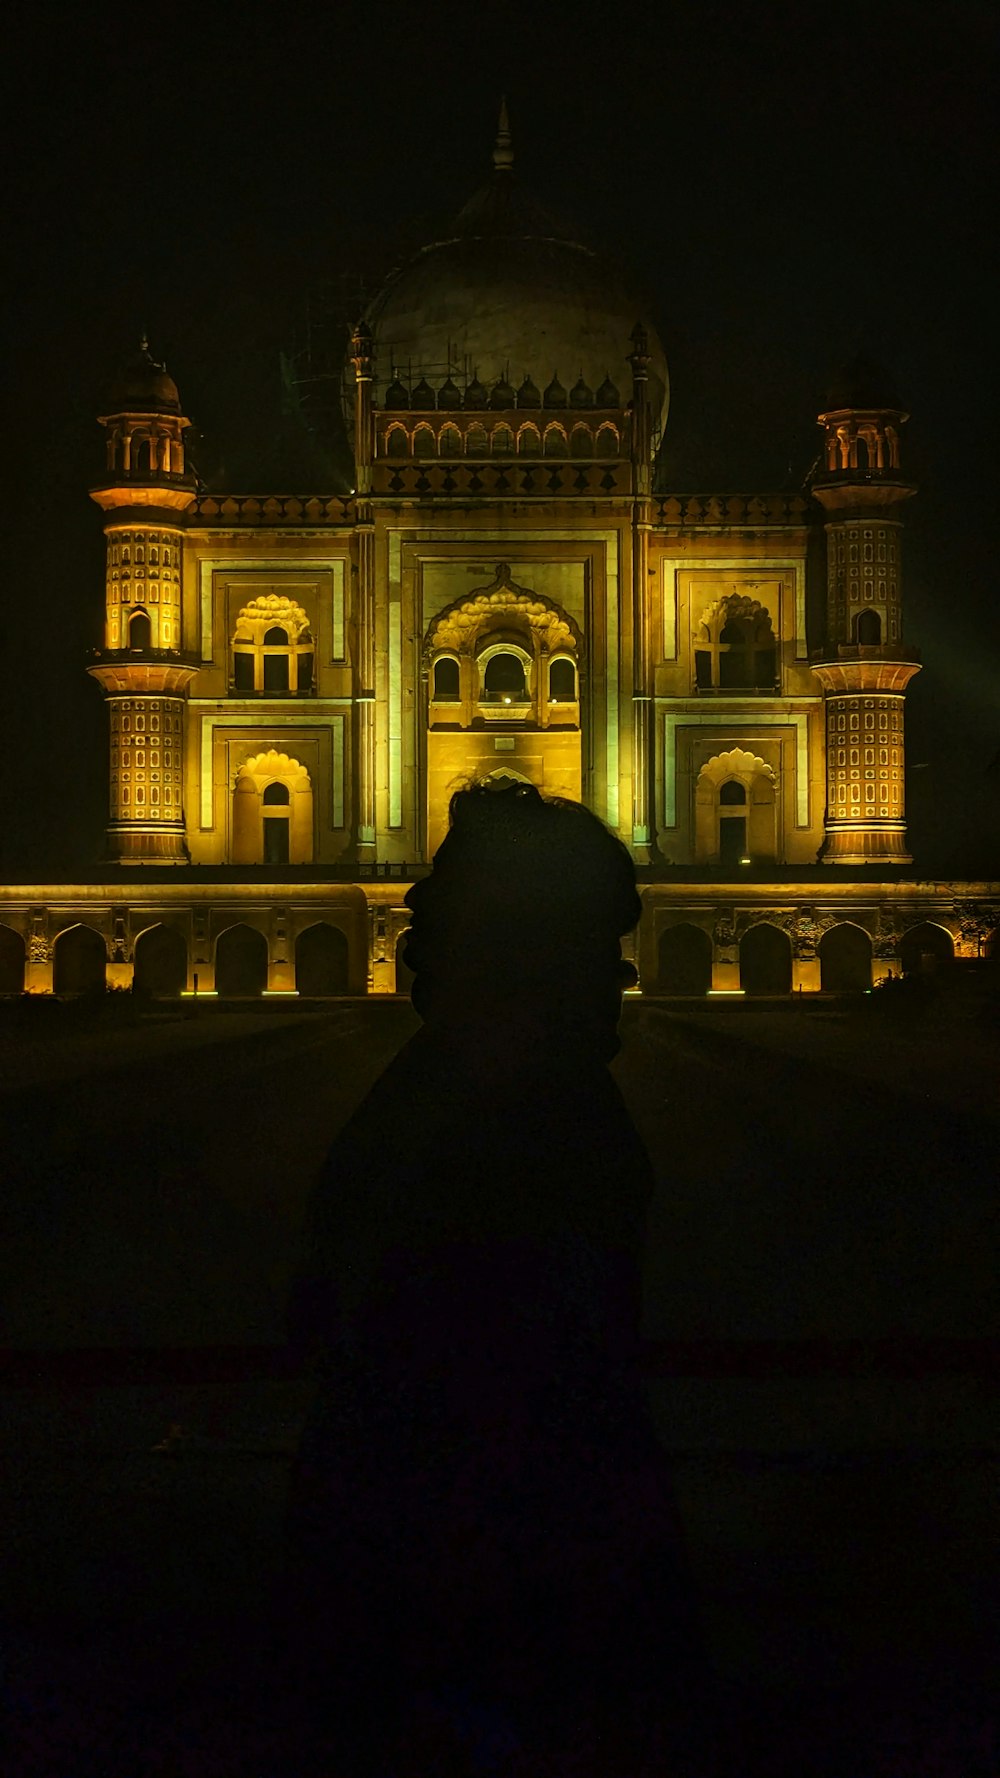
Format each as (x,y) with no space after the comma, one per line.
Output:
(735,786)
(480,626)
(274,788)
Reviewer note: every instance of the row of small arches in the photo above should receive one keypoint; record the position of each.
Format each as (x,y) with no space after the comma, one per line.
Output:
(500,441)
(79,961)
(322,959)
(684,958)
(502,395)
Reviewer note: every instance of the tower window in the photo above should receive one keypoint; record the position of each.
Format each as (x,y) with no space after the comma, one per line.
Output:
(868,629)
(140,633)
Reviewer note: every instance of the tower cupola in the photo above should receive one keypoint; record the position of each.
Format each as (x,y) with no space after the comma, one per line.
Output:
(144,426)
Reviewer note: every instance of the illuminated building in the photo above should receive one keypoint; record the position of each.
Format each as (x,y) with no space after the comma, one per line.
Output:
(296,682)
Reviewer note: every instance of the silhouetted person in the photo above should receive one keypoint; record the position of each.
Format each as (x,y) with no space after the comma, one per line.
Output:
(481,1511)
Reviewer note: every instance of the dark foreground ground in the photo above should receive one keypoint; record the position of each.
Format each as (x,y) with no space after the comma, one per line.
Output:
(821,1261)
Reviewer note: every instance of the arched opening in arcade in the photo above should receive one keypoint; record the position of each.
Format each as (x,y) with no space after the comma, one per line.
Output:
(240,963)
(404,974)
(845,959)
(765,960)
(79,962)
(12,957)
(926,950)
(685,960)
(160,967)
(321,961)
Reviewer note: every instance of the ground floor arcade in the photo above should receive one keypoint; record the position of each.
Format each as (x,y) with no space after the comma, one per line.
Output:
(237,941)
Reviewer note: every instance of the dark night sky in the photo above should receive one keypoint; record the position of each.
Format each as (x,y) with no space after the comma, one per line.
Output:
(788,183)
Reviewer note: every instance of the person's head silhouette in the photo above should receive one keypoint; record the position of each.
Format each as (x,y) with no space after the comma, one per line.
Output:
(519,924)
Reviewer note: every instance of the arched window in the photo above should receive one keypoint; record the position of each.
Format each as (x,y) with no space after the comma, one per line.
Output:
(555,442)
(581,442)
(450,442)
(476,441)
(397,443)
(424,442)
(140,632)
(446,679)
(607,441)
(276,659)
(562,681)
(504,681)
(529,442)
(732,792)
(736,648)
(868,629)
(502,442)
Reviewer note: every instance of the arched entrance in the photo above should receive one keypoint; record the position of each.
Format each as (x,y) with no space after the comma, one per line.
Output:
(765,960)
(321,961)
(11,961)
(926,949)
(80,962)
(845,960)
(272,811)
(160,962)
(735,809)
(240,963)
(685,960)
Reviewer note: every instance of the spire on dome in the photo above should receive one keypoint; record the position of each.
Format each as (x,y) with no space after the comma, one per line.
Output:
(503,152)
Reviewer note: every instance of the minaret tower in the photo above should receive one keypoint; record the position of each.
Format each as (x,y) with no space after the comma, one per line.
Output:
(141,669)
(863,668)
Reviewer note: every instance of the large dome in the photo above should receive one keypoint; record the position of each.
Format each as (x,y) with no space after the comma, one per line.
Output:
(507,293)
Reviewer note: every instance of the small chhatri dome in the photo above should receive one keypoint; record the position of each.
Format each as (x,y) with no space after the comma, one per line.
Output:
(864,386)
(608,395)
(581,394)
(529,394)
(502,394)
(449,394)
(396,395)
(423,396)
(475,394)
(143,386)
(555,394)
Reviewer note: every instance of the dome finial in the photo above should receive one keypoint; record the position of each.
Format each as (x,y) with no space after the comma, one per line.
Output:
(503,153)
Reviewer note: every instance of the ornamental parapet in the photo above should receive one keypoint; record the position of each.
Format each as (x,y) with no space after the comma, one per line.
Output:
(540,477)
(748,511)
(272,509)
